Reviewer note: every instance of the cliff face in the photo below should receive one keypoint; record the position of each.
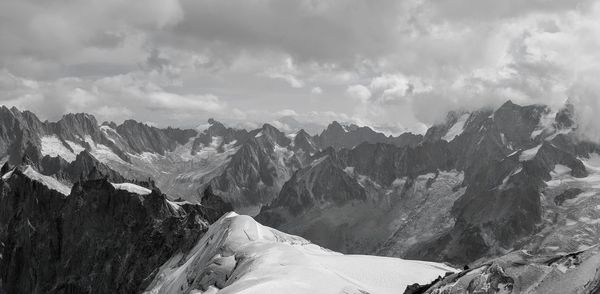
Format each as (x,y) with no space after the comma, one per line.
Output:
(99,239)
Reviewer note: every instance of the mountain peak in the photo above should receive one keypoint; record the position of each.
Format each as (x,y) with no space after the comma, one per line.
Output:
(110,124)
(508,105)
(82,118)
(334,125)
(302,133)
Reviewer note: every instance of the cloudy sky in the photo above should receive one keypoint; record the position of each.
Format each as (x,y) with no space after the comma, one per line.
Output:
(393,64)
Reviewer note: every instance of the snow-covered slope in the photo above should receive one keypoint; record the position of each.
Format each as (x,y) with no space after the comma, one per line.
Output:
(522,272)
(571,211)
(48,181)
(238,255)
(132,188)
(457,128)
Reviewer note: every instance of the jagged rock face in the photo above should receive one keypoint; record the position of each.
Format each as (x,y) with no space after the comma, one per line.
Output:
(218,130)
(384,163)
(565,117)
(437,132)
(213,205)
(271,135)
(303,191)
(82,129)
(87,167)
(144,138)
(338,136)
(364,200)
(96,240)
(29,224)
(303,141)
(19,134)
(257,171)
(506,165)
(520,272)
(84,167)
(22,134)
(406,139)
(76,127)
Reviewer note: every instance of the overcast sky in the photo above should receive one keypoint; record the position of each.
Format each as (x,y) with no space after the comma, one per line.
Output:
(392,64)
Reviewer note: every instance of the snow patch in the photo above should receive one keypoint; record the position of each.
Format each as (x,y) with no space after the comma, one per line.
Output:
(529,154)
(349,170)
(457,128)
(504,184)
(7,175)
(559,132)
(54,147)
(48,181)
(545,125)
(132,188)
(560,170)
(561,174)
(536,133)
(318,161)
(102,152)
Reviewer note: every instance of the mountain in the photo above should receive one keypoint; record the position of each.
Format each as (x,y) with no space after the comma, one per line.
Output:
(478,186)
(238,255)
(248,167)
(81,207)
(354,200)
(521,272)
(98,237)
(339,136)
(289,124)
(183,162)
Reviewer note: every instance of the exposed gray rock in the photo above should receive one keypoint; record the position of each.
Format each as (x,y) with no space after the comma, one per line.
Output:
(520,272)
(339,136)
(96,240)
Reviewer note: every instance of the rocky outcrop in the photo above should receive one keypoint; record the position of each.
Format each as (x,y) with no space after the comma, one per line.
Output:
(218,130)
(258,170)
(303,191)
(99,239)
(143,138)
(213,205)
(19,134)
(520,272)
(339,136)
(303,141)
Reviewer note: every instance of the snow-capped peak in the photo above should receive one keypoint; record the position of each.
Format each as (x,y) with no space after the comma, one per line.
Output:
(237,255)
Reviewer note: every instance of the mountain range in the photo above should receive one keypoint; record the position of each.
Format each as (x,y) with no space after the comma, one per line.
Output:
(508,194)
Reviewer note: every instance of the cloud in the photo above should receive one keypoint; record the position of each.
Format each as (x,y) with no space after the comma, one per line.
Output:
(403,63)
(286,112)
(111,98)
(359,92)
(585,96)
(316,91)
(287,71)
